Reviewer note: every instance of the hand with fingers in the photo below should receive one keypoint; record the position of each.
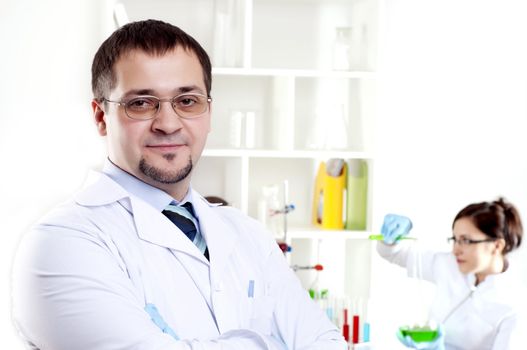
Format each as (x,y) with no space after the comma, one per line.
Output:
(395,227)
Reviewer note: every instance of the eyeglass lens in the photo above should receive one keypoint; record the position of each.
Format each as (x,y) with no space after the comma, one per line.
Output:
(467,241)
(186,106)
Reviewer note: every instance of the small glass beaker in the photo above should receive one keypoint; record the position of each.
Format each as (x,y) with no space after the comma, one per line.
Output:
(342,48)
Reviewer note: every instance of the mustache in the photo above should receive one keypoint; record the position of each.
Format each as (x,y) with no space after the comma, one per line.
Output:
(167,140)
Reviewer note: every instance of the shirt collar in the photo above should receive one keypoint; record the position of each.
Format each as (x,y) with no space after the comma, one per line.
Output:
(490,280)
(157,198)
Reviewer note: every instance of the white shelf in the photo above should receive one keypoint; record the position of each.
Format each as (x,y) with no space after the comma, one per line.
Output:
(300,154)
(280,109)
(318,233)
(307,73)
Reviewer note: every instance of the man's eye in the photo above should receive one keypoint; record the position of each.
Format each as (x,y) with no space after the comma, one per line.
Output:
(186,101)
(141,103)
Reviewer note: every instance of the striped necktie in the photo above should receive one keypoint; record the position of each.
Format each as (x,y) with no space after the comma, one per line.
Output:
(183,217)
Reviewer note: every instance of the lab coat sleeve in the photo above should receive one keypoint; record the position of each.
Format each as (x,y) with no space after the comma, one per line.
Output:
(511,331)
(70,291)
(300,322)
(419,263)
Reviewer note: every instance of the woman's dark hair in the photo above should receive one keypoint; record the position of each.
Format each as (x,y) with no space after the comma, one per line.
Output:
(496,219)
(151,36)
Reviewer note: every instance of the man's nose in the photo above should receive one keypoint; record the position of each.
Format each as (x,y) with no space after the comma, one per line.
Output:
(167,120)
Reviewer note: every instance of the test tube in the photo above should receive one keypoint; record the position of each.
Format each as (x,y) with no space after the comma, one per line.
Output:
(345,326)
(366,332)
(365,322)
(355,338)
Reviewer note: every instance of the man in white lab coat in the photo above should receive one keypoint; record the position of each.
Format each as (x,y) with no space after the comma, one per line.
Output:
(108,270)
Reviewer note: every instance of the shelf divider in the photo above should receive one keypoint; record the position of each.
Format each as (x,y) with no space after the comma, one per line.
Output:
(312,232)
(295,73)
(248,34)
(268,153)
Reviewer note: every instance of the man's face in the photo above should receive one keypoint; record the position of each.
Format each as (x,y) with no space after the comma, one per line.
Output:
(160,151)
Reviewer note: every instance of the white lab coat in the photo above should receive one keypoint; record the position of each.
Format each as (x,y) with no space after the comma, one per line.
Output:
(490,316)
(83,275)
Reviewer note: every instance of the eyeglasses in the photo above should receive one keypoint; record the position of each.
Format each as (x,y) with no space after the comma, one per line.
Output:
(146,107)
(466,241)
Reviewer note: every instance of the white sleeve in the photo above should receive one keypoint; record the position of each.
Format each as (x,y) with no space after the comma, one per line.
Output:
(71,292)
(395,253)
(511,332)
(417,261)
(300,322)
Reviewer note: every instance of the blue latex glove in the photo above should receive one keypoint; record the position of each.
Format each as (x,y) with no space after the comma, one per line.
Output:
(394,227)
(151,309)
(437,344)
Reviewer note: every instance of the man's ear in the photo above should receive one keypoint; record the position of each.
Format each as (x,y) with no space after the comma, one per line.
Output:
(99,117)
(210,115)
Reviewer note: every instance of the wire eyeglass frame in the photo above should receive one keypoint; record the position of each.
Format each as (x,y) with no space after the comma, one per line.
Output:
(467,241)
(147,106)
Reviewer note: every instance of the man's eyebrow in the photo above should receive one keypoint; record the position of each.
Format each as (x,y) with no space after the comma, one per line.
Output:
(139,92)
(189,88)
(152,92)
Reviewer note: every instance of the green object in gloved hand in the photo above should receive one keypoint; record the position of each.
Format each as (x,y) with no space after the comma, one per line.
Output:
(422,338)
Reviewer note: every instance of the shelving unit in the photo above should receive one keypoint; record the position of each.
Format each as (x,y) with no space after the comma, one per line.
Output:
(282,103)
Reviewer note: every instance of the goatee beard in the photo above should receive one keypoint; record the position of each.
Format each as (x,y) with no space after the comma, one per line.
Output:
(163,176)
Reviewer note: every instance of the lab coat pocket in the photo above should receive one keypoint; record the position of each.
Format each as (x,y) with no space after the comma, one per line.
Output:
(261,314)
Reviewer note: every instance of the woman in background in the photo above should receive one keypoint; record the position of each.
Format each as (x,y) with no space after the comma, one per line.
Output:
(478,303)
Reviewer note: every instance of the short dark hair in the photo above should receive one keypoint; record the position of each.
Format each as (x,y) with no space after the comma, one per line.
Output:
(496,219)
(151,36)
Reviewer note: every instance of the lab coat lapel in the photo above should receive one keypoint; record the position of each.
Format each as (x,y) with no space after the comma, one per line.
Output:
(156,228)
(99,189)
(221,237)
(152,226)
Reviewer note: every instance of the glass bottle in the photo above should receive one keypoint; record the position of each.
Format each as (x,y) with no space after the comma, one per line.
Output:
(341,48)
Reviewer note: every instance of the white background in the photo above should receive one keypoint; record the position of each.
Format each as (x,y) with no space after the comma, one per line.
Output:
(451,127)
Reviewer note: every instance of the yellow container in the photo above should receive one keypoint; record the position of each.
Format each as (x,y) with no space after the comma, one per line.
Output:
(329,196)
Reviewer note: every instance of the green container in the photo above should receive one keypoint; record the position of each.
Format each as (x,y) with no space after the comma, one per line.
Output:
(357,194)
(419,334)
